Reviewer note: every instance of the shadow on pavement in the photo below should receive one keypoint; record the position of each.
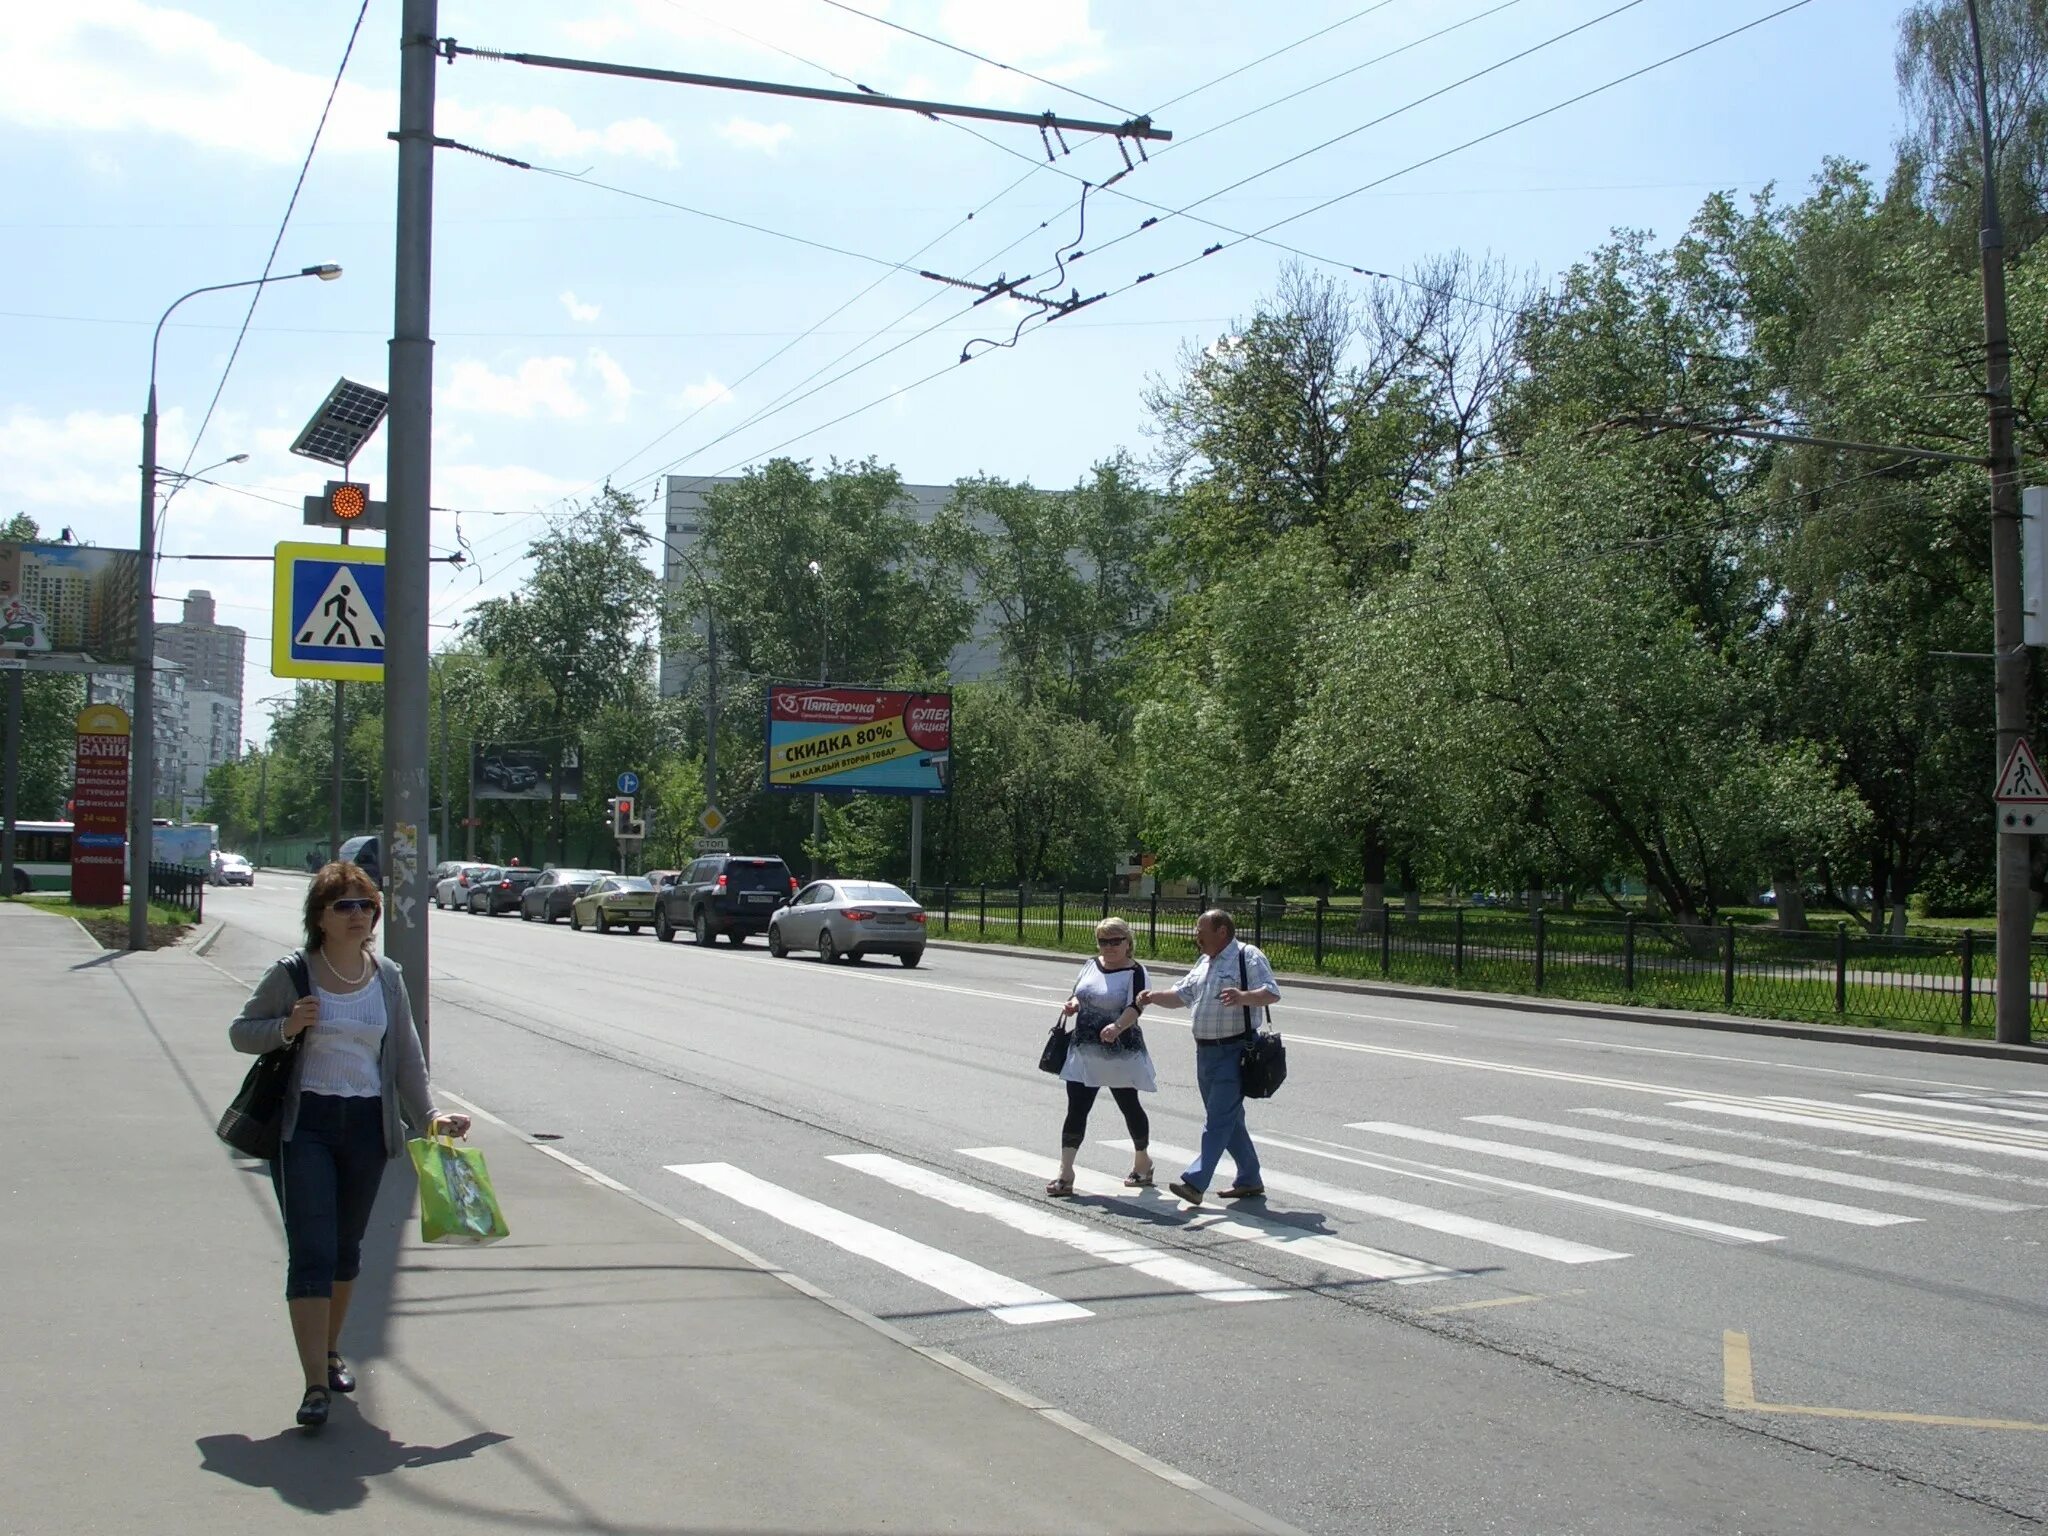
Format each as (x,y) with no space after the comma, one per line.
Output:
(330,1470)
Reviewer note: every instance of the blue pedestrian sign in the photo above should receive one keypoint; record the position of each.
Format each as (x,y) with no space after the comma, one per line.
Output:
(629,783)
(327,616)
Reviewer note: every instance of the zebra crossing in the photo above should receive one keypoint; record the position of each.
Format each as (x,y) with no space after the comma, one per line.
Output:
(1390,1203)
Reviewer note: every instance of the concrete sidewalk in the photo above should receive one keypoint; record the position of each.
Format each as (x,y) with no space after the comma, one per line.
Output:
(606,1369)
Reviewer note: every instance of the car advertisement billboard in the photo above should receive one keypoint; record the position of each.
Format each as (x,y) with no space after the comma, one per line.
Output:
(68,607)
(879,740)
(524,773)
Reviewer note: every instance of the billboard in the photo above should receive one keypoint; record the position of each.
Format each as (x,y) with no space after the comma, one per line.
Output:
(879,740)
(99,806)
(524,773)
(68,607)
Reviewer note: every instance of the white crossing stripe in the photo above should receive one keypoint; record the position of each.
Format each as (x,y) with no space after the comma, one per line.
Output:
(1755,1164)
(1167,1268)
(1961,1106)
(1861,1154)
(1798,1205)
(1818,1122)
(1010,1300)
(1465,1178)
(1520,1240)
(1993,1135)
(1242,1226)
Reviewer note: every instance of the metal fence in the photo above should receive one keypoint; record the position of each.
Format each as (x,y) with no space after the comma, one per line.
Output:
(176,886)
(1835,973)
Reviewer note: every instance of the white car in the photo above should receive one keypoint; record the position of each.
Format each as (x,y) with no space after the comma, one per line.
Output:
(451,888)
(233,869)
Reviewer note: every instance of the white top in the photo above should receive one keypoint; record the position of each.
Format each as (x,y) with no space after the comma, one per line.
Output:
(344,1051)
(1104,996)
(1200,989)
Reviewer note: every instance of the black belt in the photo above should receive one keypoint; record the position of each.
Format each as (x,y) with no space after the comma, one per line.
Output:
(1228,1039)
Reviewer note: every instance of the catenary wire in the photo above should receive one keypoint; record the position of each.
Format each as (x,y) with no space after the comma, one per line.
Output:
(883,21)
(1267,58)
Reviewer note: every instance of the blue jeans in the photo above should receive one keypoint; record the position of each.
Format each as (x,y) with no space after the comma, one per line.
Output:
(326,1180)
(1219,1074)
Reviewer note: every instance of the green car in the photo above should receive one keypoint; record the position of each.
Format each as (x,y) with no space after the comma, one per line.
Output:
(617,901)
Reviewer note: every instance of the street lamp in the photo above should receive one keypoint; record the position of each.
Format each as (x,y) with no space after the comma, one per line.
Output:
(710,669)
(142,730)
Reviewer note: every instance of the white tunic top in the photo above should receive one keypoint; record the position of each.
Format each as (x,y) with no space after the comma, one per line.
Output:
(1105,995)
(344,1051)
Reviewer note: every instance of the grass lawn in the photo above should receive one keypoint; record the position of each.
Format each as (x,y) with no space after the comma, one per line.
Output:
(109,925)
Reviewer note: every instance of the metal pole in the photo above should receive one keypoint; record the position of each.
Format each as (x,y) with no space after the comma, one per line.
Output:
(917,845)
(710,703)
(2014,1007)
(824,673)
(444,763)
(9,789)
(262,807)
(334,838)
(409,475)
(142,727)
(469,821)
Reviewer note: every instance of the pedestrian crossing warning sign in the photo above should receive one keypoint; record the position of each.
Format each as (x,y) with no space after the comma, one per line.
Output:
(327,619)
(2020,781)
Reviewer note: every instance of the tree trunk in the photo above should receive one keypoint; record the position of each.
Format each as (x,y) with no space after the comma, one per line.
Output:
(1411,894)
(1372,886)
(1790,893)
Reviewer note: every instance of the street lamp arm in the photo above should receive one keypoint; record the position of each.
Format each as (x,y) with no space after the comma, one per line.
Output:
(327,272)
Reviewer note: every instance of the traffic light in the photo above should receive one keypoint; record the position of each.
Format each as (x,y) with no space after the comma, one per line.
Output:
(344,504)
(622,816)
(347,499)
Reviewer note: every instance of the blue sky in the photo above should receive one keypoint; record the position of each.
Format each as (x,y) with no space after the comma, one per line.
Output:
(583,334)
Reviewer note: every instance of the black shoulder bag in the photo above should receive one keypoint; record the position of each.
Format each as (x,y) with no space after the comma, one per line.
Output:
(1265,1054)
(254,1124)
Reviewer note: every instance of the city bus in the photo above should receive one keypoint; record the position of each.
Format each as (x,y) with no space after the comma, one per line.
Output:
(42,856)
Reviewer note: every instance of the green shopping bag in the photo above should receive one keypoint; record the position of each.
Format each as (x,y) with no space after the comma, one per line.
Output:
(457,1203)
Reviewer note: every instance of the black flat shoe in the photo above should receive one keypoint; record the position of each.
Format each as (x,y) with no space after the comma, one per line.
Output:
(313,1407)
(339,1377)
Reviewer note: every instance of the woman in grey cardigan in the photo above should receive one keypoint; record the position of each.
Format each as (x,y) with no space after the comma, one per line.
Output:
(357,1068)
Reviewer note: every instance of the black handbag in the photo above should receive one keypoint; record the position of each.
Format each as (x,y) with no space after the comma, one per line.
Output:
(254,1124)
(1053,1058)
(1263,1066)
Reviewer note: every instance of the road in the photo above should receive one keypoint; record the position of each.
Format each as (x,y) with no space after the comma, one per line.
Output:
(1515,1272)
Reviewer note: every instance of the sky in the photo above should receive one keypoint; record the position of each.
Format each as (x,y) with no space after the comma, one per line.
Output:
(587,329)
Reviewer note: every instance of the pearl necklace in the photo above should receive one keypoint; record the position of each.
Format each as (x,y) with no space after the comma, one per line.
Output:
(350,981)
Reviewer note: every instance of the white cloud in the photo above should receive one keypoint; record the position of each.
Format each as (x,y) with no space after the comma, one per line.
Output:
(123,66)
(745,133)
(618,388)
(578,310)
(598,31)
(540,385)
(709,393)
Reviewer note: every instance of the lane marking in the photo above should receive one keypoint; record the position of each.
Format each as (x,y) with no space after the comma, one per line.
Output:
(1765,1138)
(1517,1239)
(1011,1301)
(1496,1301)
(1815,1122)
(1035,1221)
(1330,1252)
(1799,1205)
(1738,1394)
(1755,1164)
(1996,1135)
(1760,1061)
(1463,1178)
(1959,1107)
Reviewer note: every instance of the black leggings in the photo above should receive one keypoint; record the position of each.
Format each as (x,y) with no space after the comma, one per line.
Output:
(326,1179)
(1081,1099)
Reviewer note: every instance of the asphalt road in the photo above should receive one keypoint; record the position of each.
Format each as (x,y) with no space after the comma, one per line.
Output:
(1516,1273)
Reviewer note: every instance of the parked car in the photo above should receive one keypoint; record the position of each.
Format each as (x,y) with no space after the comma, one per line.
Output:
(548,899)
(498,890)
(451,883)
(616,901)
(233,869)
(850,919)
(362,852)
(724,893)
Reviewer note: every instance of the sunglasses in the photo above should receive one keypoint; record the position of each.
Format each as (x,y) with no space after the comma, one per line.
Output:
(1112,943)
(352,904)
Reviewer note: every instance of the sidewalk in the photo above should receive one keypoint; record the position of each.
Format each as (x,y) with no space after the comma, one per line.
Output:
(606,1369)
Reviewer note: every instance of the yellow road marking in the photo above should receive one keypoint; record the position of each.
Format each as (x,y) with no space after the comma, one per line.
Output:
(1738,1392)
(1497,1301)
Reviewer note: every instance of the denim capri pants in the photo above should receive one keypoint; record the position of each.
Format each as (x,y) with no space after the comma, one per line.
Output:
(326,1179)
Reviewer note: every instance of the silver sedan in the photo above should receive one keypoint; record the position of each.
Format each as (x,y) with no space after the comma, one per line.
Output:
(850,920)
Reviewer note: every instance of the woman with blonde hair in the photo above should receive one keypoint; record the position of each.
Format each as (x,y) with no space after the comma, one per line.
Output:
(357,1070)
(1106,1050)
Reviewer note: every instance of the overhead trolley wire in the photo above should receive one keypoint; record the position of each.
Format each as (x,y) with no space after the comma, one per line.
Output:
(897,26)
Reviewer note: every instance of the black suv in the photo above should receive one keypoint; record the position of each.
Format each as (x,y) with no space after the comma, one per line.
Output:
(723,893)
(498,890)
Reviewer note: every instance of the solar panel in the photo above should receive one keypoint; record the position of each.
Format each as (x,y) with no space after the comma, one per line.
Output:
(343,423)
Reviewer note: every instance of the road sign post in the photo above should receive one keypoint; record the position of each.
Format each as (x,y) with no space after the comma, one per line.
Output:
(2022,793)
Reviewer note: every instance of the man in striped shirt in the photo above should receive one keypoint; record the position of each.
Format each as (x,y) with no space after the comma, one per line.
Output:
(1228,983)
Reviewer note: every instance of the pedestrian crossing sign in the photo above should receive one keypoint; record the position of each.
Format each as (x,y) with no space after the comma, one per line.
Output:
(327,619)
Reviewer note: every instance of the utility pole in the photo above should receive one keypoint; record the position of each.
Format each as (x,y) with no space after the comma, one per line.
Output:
(142,724)
(410,475)
(2008,641)
(10,773)
(262,807)
(444,762)
(710,705)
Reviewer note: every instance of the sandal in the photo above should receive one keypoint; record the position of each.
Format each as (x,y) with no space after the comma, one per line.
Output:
(339,1377)
(313,1407)
(1060,1189)
(1137,1180)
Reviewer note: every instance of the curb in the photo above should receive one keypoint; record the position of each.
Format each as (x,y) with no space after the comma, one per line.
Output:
(1785,1029)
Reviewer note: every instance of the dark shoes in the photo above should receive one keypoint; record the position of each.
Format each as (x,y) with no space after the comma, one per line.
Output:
(313,1407)
(1187,1192)
(1243,1192)
(339,1377)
